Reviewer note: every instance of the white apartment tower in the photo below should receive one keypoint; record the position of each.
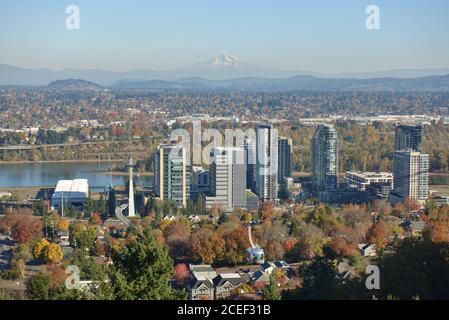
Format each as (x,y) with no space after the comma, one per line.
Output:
(267,162)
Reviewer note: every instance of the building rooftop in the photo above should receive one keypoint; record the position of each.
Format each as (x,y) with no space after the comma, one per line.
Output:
(69,186)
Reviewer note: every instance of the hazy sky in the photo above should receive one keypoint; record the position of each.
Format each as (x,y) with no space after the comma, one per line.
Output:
(317,35)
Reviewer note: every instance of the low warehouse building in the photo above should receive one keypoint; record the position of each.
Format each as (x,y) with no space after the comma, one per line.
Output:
(72,192)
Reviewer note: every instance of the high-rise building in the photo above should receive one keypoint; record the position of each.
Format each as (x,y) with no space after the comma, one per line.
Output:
(227,178)
(267,162)
(172,174)
(325,158)
(285,149)
(411,174)
(408,137)
(249,146)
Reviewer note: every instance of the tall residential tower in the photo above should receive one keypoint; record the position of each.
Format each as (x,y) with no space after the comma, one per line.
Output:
(411,175)
(285,150)
(408,137)
(325,158)
(172,174)
(267,162)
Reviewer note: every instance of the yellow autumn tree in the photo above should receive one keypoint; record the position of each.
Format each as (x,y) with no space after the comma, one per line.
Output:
(63,225)
(53,253)
(39,248)
(164,224)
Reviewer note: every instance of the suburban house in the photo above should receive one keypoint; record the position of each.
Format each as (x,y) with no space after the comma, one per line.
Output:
(260,278)
(194,219)
(343,270)
(206,284)
(226,284)
(417,228)
(367,250)
(268,267)
(201,288)
(202,270)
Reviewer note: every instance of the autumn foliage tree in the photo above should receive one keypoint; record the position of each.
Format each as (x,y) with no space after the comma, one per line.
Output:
(379,234)
(181,273)
(266,210)
(438,225)
(311,240)
(206,246)
(26,228)
(63,225)
(344,242)
(53,253)
(39,248)
(176,236)
(236,243)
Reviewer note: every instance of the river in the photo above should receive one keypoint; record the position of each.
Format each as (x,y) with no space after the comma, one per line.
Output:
(47,174)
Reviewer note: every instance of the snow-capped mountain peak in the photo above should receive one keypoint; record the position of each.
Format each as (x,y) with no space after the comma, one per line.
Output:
(225,59)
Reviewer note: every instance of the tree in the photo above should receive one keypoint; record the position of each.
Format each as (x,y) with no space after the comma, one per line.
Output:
(99,248)
(266,210)
(427,275)
(83,236)
(411,204)
(39,248)
(95,219)
(53,253)
(246,217)
(270,291)
(40,208)
(63,224)
(379,234)
(271,236)
(438,225)
(26,228)
(206,246)
(176,236)
(311,241)
(181,273)
(320,217)
(236,243)
(141,270)
(38,287)
(4,296)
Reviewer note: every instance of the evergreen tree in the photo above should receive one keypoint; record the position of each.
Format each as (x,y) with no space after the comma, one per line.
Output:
(270,291)
(142,270)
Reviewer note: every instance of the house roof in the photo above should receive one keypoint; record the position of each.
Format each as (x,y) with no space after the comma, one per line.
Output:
(266,265)
(418,225)
(260,276)
(197,282)
(233,278)
(201,268)
(281,264)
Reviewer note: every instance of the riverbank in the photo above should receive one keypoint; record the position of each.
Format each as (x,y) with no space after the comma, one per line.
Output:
(63,161)
(123,174)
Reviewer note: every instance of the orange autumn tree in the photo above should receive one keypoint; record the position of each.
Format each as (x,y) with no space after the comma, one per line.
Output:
(378,234)
(438,225)
(26,228)
(63,225)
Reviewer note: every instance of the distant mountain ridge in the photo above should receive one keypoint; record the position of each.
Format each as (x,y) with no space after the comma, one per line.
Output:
(224,67)
(74,85)
(430,83)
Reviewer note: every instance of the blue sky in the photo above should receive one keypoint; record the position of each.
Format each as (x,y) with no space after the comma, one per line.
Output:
(320,35)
